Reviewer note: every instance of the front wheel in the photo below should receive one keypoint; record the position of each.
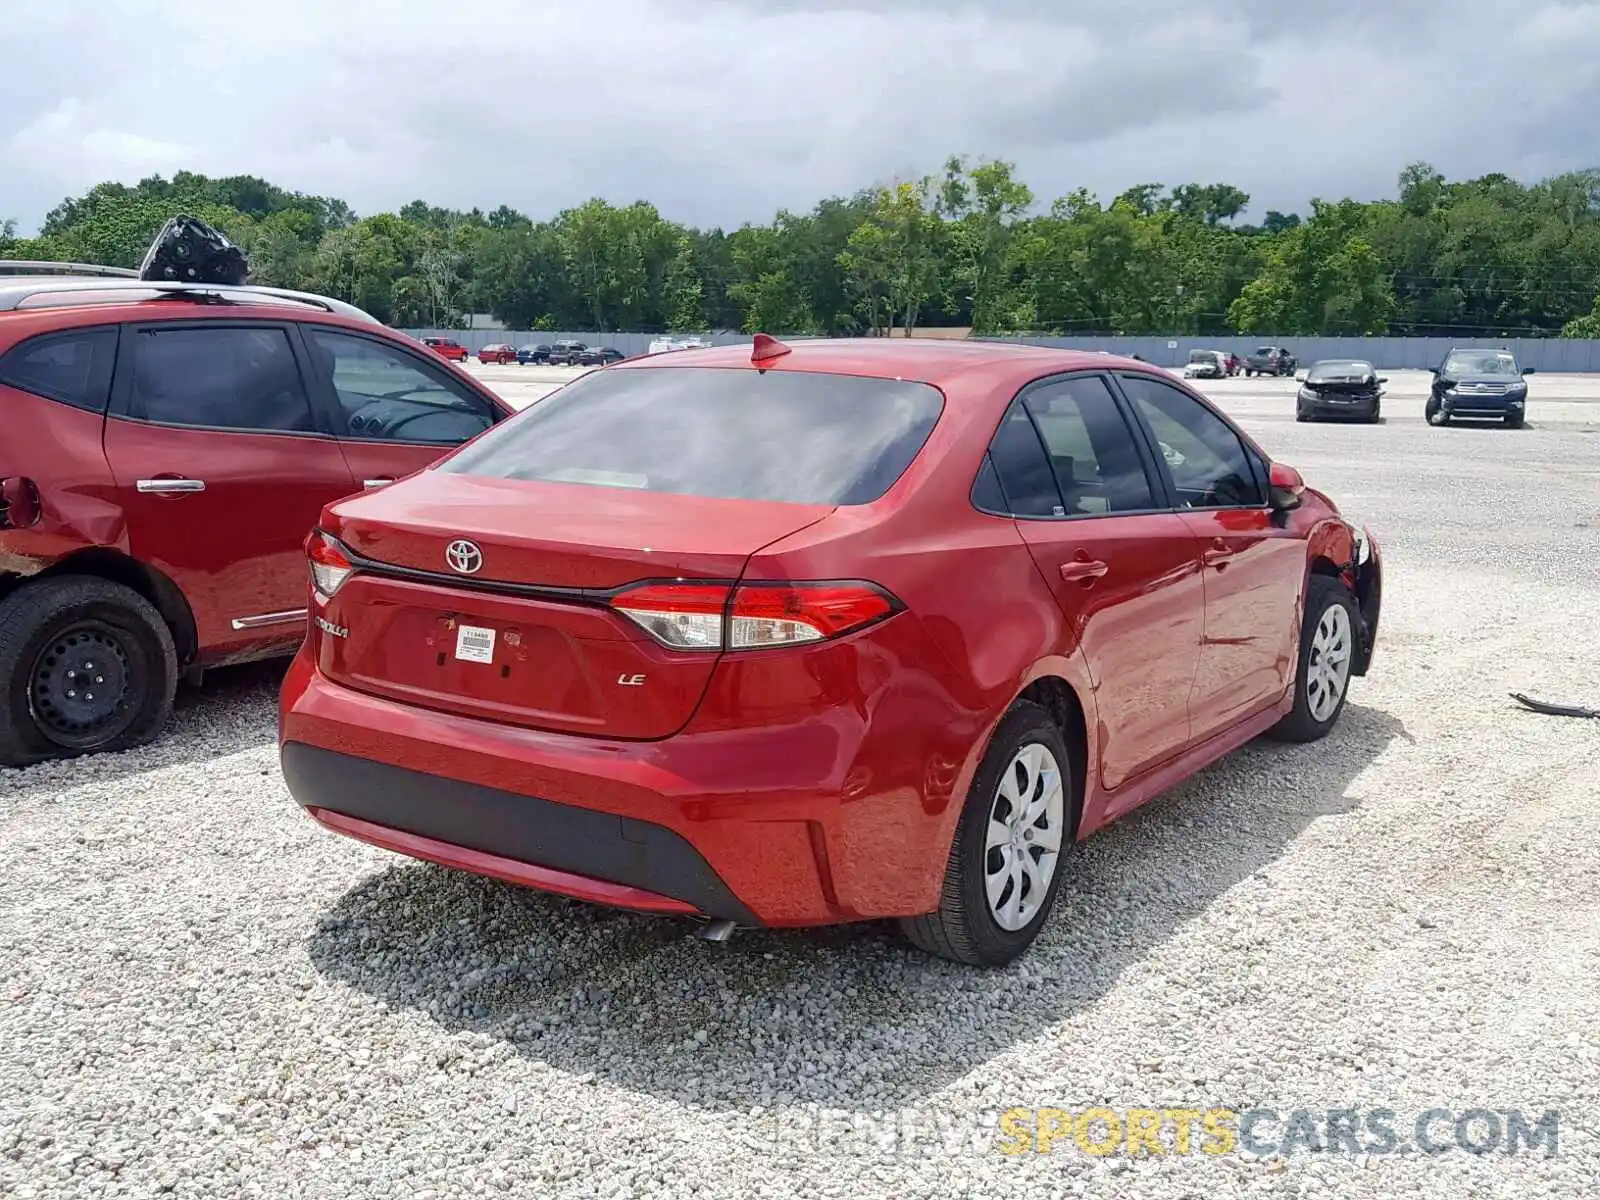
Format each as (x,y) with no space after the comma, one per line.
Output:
(1436,414)
(1514,420)
(86,665)
(1327,652)
(1005,861)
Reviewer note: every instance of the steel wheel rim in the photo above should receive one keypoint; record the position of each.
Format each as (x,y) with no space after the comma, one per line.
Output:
(1022,843)
(1328,666)
(81,684)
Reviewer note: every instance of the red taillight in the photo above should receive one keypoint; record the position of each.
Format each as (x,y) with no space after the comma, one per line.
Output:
(329,566)
(752,616)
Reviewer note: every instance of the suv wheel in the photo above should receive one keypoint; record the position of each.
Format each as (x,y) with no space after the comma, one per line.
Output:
(86,665)
(1005,862)
(1327,652)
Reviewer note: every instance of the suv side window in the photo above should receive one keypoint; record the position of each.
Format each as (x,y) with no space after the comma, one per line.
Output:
(241,378)
(1209,465)
(385,394)
(1091,447)
(72,367)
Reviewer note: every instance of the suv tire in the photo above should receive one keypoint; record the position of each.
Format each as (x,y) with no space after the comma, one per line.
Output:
(51,634)
(1027,760)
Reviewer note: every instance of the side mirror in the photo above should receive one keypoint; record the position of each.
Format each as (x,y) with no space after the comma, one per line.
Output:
(1527,370)
(1284,487)
(1433,370)
(1383,379)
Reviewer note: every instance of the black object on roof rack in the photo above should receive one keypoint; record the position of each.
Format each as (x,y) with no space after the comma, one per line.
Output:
(187,250)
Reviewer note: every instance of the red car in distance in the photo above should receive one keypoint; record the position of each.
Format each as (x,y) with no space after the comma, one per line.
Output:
(498,354)
(794,636)
(164,449)
(447,348)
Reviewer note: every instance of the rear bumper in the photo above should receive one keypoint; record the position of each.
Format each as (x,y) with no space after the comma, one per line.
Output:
(520,839)
(815,821)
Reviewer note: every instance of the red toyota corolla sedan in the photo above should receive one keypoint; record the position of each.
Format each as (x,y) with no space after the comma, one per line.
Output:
(793,636)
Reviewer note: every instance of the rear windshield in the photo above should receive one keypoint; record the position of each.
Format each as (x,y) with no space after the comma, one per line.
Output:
(801,438)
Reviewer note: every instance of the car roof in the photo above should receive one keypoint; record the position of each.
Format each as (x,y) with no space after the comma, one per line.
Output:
(927,360)
(57,292)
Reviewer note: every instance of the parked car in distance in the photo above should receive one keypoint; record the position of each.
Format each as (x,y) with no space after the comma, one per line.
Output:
(1206,364)
(166,449)
(566,353)
(1346,387)
(1269,360)
(498,353)
(446,348)
(533,354)
(599,356)
(1479,384)
(909,619)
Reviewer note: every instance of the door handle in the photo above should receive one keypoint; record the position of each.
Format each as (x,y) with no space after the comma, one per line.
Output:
(373,483)
(1217,554)
(1082,570)
(170,486)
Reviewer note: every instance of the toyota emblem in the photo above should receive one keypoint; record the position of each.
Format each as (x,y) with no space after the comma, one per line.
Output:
(463,556)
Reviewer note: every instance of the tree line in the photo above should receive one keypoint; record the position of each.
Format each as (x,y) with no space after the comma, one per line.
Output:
(968,246)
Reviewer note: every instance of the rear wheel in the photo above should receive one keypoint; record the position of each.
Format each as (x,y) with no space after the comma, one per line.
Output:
(1327,652)
(1005,862)
(85,665)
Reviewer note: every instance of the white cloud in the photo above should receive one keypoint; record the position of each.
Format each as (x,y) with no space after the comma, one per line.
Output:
(724,111)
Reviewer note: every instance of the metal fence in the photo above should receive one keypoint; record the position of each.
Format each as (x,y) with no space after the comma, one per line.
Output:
(1388,353)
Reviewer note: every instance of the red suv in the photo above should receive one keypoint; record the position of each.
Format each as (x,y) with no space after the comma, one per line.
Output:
(166,449)
(800,636)
(446,348)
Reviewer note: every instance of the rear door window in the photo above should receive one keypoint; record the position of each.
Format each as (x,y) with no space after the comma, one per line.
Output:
(239,377)
(791,436)
(72,367)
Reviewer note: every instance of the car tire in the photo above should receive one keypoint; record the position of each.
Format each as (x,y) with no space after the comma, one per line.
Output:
(1435,415)
(988,926)
(1301,415)
(1374,417)
(1515,420)
(1327,653)
(51,632)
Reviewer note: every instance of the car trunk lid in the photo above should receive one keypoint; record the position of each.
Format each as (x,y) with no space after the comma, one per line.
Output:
(520,629)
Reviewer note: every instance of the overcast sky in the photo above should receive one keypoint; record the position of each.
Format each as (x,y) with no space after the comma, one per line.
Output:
(722,111)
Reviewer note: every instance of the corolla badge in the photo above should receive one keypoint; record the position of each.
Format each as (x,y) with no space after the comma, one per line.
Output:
(463,556)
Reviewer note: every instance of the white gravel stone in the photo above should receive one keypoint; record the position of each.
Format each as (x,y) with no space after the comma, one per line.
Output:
(203,994)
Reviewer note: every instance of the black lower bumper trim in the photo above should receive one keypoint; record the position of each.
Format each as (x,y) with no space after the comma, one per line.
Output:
(561,837)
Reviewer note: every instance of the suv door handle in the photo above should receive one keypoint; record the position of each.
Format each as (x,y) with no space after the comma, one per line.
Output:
(1217,554)
(170,486)
(1083,570)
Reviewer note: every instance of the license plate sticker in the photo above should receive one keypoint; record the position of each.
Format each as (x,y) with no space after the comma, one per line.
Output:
(475,644)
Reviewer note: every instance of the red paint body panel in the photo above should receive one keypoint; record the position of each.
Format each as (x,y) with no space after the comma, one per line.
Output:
(232,551)
(821,783)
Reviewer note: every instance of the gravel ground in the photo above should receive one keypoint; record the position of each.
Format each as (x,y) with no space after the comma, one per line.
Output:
(202,994)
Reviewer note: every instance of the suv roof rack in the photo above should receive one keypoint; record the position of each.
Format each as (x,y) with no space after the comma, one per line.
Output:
(24,266)
(66,292)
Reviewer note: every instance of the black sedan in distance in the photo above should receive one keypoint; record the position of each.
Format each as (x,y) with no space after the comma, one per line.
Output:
(599,356)
(1479,383)
(1343,387)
